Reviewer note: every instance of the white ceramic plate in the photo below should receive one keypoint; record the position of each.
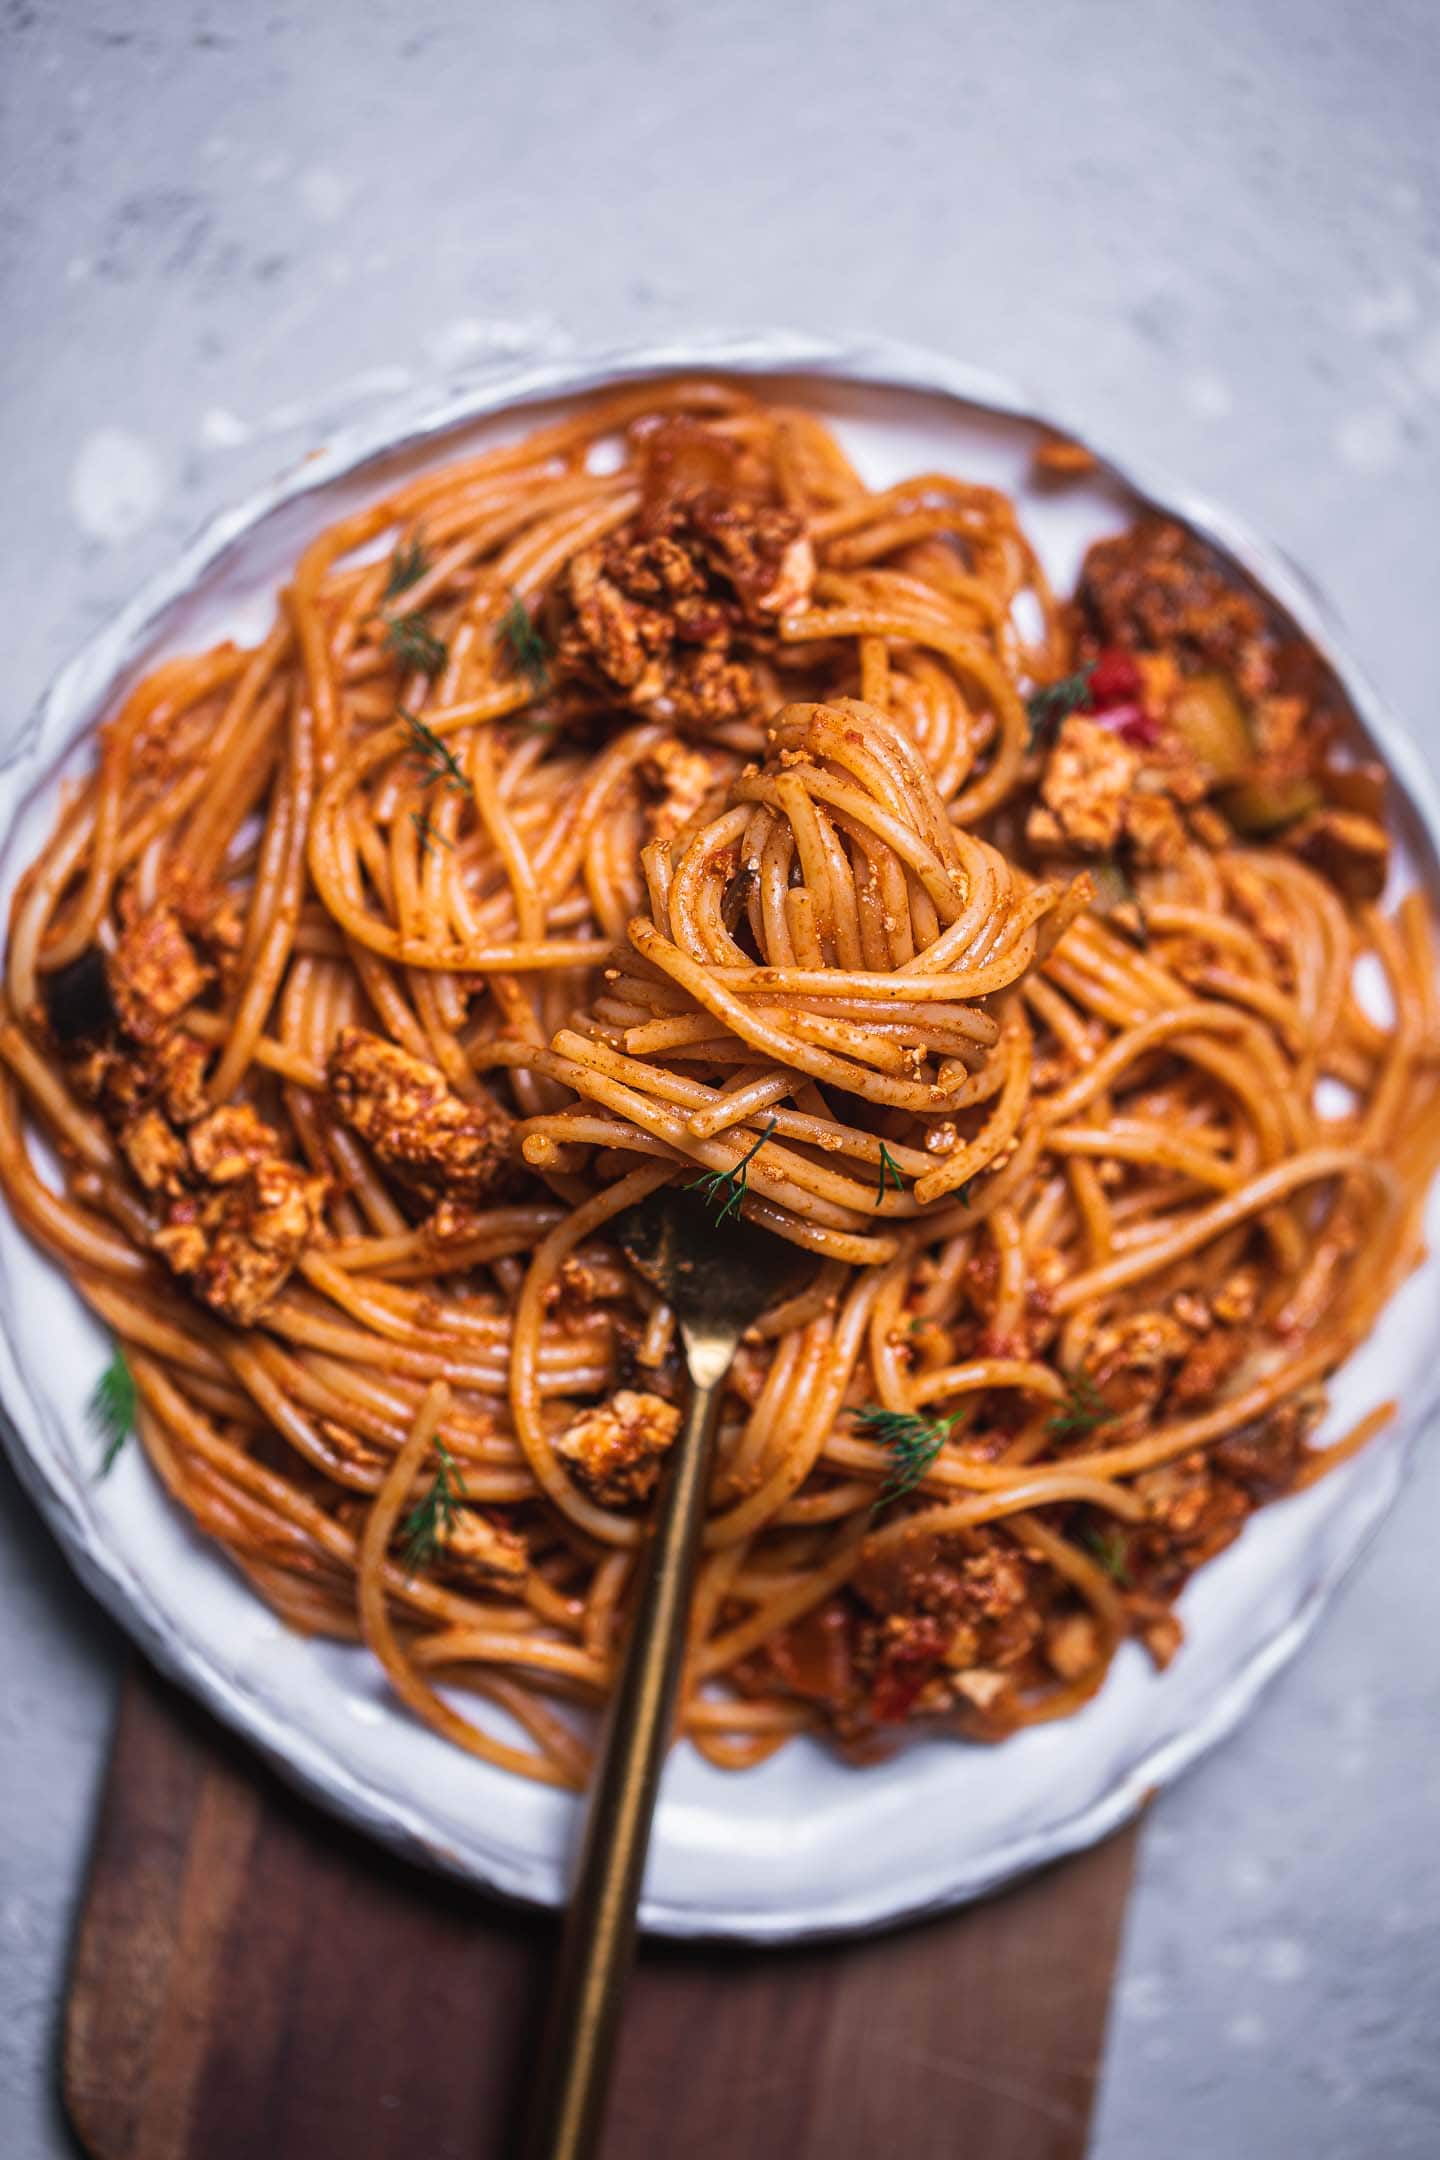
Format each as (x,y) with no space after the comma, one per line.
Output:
(803,1845)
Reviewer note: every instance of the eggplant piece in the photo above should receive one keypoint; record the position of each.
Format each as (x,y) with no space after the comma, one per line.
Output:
(1209,715)
(1268,801)
(78,1003)
(1359,786)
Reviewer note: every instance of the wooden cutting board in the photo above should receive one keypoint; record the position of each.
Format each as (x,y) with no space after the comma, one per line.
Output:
(251,1979)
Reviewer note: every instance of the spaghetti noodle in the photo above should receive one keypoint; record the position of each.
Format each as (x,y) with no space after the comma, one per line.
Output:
(651,799)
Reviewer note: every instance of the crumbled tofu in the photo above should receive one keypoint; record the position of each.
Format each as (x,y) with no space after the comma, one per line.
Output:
(626,639)
(451,1222)
(154,1152)
(236,1213)
(980,1686)
(1207,1364)
(230,1141)
(571,1297)
(666,613)
(1058,458)
(1129,1360)
(154,973)
(179,1062)
(1154,828)
(471,1544)
(683,777)
(963,1648)
(616,1448)
(996,1582)
(1088,780)
(237,1243)
(1238,1298)
(1140,1342)
(1158,586)
(1197,1511)
(1191,1310)
(414,1121)
(762,553)
(1071,1645)
(1157,1626)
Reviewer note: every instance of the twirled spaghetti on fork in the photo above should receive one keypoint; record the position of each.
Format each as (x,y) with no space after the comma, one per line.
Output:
(650,799)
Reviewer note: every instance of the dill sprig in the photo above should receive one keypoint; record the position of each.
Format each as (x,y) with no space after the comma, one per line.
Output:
(732,1182)
(529,655)
(889,1169)
(1108,1548)
(415,644)
(434,1515)
(408,635)
(433,753)
(1083,1409)
(913,1441)
(1056,701)
(429,834)
(408,565)
(112,1408)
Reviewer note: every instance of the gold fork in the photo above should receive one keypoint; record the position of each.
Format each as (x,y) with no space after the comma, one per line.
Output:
(717,1275)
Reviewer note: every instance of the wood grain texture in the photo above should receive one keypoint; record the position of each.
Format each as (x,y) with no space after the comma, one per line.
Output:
(251,1979)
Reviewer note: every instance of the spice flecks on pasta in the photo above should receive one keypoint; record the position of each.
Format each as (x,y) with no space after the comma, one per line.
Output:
(698,812)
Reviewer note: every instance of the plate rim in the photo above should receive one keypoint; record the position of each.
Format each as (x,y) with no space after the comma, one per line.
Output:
(513,383)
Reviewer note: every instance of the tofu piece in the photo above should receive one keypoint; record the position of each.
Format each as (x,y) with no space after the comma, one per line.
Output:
(683,777)
(1089,778)
(616,1448)
(154,1152)
(475,1548)
(230,1141)
(667,614)
(237,1243)
(154,973)
(413,1121)
(1071,1645)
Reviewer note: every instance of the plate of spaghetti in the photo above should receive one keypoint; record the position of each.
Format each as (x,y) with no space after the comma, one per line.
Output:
(805,774)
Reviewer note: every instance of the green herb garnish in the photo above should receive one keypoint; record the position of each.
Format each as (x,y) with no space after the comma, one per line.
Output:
(732,1183)
(529,654)
(1108,1548)
(1048,707)
(429,834)
(913,1441)
(1083,1409)
(431,1518)
(408,565)
(890,1169)
(415,644)
(433,753)
(112,1408)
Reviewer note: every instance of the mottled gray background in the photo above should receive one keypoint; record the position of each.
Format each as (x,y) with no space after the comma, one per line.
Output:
(1207,227)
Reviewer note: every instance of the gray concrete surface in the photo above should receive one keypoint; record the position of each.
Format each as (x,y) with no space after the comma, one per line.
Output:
(1208,227)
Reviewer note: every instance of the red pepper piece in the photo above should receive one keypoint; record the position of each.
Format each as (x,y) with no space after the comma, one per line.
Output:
(1132,724)
(1114,679)
(905,1667)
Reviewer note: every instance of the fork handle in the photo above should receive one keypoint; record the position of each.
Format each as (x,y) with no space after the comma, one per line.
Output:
(598,1945)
